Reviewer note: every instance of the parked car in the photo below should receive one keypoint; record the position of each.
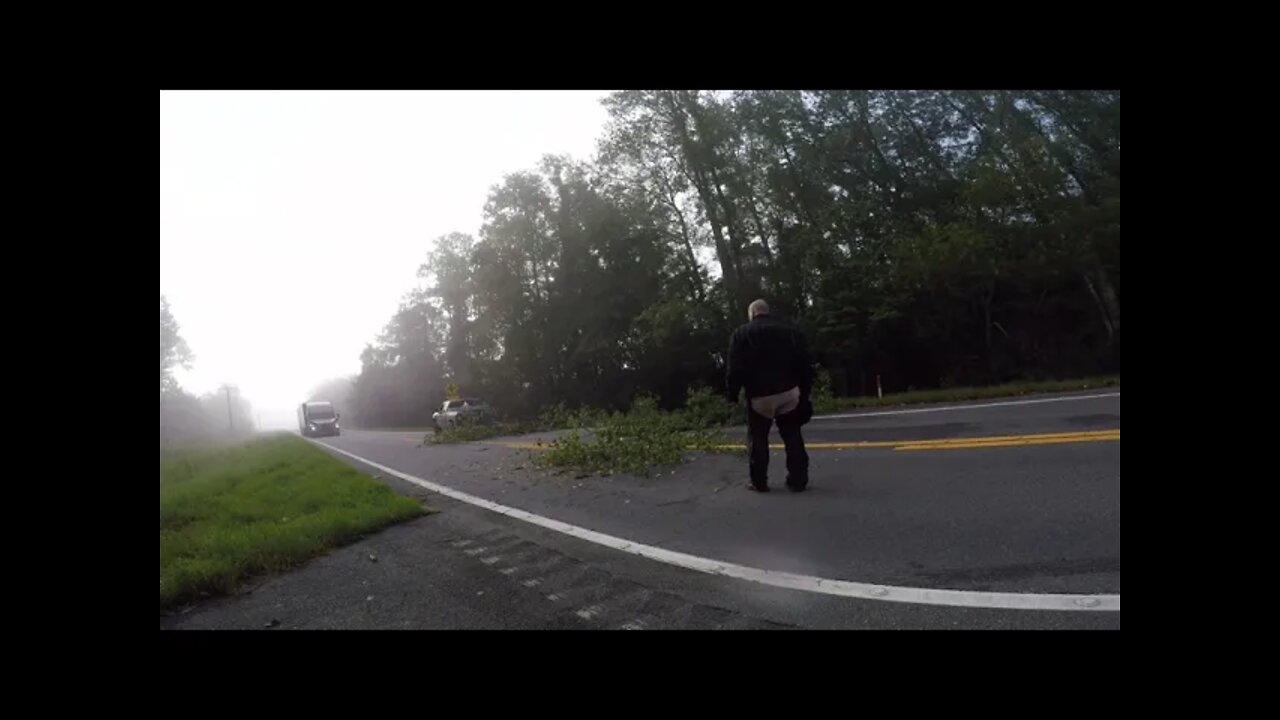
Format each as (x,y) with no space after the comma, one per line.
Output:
(453,412)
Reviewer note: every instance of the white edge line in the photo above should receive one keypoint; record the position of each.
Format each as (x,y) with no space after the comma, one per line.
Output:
(775,578)
(1036,401)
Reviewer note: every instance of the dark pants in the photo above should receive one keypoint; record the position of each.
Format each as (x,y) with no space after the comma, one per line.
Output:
(758,447)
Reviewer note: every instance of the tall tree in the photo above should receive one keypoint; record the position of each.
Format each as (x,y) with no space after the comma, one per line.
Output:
(173,349)
(931,238)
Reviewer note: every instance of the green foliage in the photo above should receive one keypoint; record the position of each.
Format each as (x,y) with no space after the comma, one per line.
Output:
(935,239)
(822,398)
(471,431)
(645,437)
(173,349)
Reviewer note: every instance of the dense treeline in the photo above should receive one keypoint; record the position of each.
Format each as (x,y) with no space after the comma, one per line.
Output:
(183,416)
(933,238)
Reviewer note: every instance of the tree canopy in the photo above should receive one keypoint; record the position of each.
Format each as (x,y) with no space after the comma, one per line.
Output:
(933,238)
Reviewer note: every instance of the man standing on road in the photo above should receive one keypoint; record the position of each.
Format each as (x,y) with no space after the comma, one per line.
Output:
(771,360)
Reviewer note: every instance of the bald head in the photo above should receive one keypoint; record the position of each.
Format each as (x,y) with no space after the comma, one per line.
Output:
(759,307)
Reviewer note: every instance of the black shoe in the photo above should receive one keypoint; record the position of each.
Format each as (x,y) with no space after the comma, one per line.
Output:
(762,487)
(797,486)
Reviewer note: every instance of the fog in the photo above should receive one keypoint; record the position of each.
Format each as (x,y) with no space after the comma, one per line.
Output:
(292,223)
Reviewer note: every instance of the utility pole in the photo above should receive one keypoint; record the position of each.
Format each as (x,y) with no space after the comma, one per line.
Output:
(230,423)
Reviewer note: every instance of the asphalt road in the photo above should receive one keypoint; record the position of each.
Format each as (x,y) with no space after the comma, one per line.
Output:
(1004,497)
(1061,414)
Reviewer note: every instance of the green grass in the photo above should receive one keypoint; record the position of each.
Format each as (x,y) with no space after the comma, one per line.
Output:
(229,512)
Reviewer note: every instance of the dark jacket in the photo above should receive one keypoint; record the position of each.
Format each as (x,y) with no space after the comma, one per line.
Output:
(768,356)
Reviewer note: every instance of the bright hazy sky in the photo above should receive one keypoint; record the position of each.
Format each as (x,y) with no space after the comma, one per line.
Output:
(292,223)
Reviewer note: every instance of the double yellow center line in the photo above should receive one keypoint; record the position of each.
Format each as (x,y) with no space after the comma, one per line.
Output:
(966,443)
(972,442)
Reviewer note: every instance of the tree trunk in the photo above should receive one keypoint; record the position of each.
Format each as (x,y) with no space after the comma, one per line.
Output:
(1104,296)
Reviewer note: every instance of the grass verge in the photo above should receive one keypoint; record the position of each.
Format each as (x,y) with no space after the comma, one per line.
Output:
(230,512)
